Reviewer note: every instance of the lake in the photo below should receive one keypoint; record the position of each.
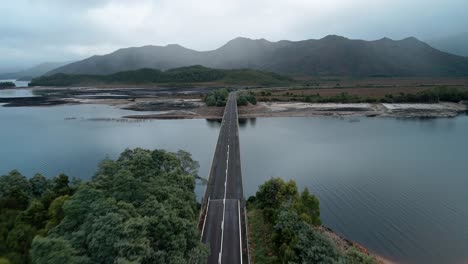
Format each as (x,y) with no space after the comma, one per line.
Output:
(396,186)
(15,93)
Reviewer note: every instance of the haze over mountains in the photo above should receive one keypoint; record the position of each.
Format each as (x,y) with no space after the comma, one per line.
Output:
(33,72)
(456,44)
(329,56)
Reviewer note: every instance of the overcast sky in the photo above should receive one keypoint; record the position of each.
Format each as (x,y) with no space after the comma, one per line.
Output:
(35,31)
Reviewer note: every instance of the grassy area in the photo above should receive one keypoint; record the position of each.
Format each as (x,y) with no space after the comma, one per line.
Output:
(182,76)
(261,247)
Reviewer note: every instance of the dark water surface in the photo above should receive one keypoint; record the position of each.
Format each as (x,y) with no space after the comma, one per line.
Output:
(398,187)
(74,138)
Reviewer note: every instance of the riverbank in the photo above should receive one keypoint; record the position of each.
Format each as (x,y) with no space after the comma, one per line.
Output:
(345,244)
(261,242)
(289,109)
(187,103)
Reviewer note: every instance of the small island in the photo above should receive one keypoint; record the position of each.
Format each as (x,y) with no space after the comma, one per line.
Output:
(6,85)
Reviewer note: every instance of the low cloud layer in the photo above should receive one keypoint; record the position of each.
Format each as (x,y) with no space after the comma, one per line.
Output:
(34,31)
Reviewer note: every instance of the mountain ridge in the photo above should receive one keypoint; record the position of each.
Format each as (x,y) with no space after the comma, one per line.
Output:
(330,56)
(34,71)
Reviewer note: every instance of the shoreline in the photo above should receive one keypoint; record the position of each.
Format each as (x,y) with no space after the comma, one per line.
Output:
(440,110)
(187,103)
(344,244)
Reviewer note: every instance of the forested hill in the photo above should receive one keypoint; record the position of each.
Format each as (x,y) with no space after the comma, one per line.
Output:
(192,74)
(329,56)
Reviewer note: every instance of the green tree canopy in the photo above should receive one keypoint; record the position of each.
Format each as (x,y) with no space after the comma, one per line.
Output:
(140,208)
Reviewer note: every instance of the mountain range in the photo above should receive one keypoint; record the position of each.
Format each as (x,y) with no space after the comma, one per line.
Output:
(33,72)
(329,56)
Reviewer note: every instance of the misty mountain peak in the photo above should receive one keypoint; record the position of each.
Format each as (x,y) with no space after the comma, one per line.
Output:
(242,42)
(385,39)
(332,55)
(174,46)
(334,38)
(411,40)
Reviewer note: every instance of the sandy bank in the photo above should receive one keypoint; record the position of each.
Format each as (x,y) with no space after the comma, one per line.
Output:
(312,109)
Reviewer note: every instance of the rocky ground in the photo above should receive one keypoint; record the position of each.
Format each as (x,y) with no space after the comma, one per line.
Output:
(311,109)
(344,244)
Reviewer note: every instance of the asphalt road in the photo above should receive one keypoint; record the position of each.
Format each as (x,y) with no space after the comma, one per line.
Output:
(222,226)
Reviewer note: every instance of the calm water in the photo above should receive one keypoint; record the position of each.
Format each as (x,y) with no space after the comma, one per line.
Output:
(397,187)
(73,139)
(15,93)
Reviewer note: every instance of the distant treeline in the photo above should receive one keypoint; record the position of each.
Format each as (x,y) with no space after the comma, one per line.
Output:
(192,74)
(432,95)
(7,85)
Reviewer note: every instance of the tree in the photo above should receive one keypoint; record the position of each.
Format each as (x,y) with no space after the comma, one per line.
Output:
(14,191)
(61,185)
(140,208)
(52,251)
(274,192)
(297,241)
(39,185)
(19,241)
(308,208)
(35,215)
(55,212)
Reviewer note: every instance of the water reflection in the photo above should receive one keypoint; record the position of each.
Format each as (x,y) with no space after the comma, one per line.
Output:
(247,122)
(430,123)
(213,123)
(16,93)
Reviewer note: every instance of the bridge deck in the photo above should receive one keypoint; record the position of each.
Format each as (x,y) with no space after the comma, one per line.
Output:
(223,207)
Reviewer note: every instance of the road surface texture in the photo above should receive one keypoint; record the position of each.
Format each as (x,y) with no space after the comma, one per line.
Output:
(223,208)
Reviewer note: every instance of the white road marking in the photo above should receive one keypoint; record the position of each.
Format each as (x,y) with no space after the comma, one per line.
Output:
(204,221)
(224,207)
(240,231)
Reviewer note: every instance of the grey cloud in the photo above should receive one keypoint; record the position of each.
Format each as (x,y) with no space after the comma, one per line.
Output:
(33,31)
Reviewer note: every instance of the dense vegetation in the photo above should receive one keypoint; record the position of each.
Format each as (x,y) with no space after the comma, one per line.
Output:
(7,85)
(217,97)
(243,98)
(284,228)
(192,74)
(432,95)
(140,208)
(29,207)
